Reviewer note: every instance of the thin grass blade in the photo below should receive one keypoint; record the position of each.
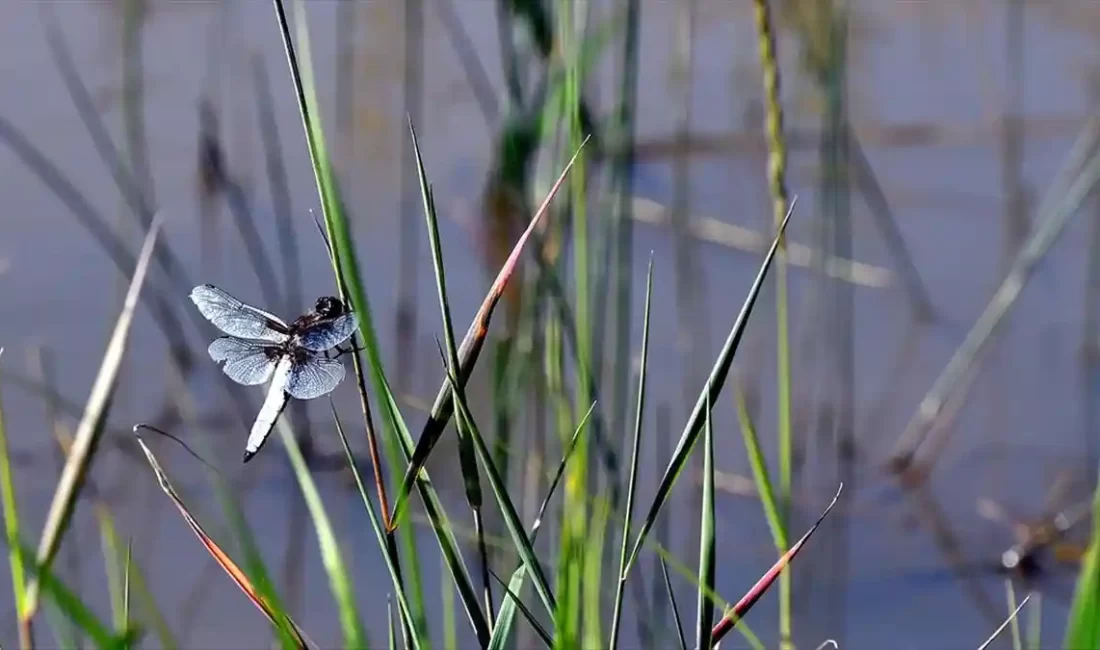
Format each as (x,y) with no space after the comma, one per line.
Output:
(738,611)
(1010,593)
(705,606)
(467,457)
(1083,626)
(1011,618)
(450,630)
(70,605)
(91,424)
(380,537)
(126,585)
(711,391)
(508,510)
(628,520)
(471,347)
(289,631)
(440,525)
(690,574)
(675,608)
(352,289)
(513,597)
(506,616)
(560,471)
(112,551)
(760,475)
(1035,623)
(338,575)
(592,586)
(11,527)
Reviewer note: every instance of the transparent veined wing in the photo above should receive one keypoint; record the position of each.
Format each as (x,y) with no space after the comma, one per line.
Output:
(314,377)
(234,317)
(328,334)
(246,362)
(231,347)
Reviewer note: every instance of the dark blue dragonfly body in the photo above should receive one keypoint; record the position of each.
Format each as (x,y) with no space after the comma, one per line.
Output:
(261,347)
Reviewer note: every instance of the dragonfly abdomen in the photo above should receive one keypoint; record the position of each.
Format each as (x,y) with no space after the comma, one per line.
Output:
(271,410)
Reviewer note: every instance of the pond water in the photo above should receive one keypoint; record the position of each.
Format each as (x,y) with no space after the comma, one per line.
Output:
(928,84)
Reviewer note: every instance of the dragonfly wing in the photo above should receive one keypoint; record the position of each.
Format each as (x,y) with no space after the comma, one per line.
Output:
(329,334)
(224,348)
(234,317)
(314,377)
(246,362)
(273,407)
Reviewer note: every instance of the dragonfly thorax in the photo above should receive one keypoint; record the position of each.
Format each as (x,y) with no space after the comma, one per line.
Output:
(329,307)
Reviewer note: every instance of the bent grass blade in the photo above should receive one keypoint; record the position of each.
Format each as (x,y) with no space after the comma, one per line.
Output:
(91,424)
(289,631)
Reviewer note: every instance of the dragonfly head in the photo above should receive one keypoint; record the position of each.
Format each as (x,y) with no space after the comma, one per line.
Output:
(329,307)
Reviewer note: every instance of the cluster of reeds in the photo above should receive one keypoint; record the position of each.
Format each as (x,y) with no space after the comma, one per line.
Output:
(567,609)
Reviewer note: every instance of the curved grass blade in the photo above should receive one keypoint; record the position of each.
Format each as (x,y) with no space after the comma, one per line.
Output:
(91,423)
(616,617)
(338,575)
(470,348)
(711,390)
(705,607)
(288,630)
(389,553)
(738,611)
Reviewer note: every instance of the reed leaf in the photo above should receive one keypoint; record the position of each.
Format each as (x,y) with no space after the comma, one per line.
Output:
(70,605)
(338,574)
(471,347)
(91,424)
(738,611)
(289,632)
(391,559)
(1083,626)
(675,608)
(711,390)
(507,613)
(11,529)
(616,616)
(705,606)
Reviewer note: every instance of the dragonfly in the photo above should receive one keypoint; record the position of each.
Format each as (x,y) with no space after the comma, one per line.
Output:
(262,347)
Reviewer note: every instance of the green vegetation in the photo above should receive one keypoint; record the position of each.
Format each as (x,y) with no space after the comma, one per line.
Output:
(560,324)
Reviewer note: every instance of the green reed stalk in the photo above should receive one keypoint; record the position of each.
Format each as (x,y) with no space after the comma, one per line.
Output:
(777,169)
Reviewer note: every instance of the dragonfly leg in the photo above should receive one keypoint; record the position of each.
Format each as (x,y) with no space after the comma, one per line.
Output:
(342,351)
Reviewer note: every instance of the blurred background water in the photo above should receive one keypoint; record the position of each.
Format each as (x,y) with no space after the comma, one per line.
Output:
(964,113)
